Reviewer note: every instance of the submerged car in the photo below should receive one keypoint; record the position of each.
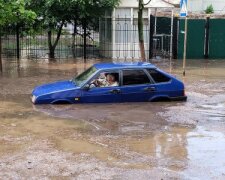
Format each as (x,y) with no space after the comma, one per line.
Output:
(113,82)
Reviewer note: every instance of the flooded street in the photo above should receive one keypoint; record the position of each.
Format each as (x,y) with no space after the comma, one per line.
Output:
(159,140)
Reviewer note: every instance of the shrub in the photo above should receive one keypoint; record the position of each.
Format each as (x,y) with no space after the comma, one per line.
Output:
(209,9)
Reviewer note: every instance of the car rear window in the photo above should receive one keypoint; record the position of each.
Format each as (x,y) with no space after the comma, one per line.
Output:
(158,76)
(132,77)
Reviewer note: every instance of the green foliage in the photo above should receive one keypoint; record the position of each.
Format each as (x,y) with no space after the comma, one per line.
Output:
(52,12)
(14,11)
(209,9)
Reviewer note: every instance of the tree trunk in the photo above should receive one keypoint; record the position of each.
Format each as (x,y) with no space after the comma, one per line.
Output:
(53,46)
(85,39)
(140,30)
(74,38)
(0,51)
(50,47)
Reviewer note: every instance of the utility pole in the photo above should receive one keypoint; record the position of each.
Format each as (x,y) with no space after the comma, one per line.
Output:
(185,46)
(183,14)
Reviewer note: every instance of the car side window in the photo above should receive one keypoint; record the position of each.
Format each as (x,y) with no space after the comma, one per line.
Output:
(105,79)
(135,77)
(158,76)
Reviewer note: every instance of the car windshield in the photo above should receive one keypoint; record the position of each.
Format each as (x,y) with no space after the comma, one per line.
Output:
(84,76)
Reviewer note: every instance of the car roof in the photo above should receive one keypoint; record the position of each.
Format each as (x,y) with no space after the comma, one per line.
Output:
(124,65)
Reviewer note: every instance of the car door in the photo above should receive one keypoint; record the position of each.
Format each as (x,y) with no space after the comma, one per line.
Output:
(136,86)
(163,84)
(102,94)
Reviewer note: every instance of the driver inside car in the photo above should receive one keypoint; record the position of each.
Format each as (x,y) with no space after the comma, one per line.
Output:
(105,80)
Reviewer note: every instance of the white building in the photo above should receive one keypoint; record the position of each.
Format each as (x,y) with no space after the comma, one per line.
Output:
(119,30)
(199,6)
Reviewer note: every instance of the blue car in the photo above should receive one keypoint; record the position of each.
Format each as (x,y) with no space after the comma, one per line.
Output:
(113,82)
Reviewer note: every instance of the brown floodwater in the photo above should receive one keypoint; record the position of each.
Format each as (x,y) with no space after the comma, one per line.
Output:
(160,140)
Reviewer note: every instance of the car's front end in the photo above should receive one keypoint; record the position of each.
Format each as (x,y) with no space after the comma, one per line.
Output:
(63,91)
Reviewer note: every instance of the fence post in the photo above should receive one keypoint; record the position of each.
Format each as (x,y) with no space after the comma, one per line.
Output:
(206,53)
(171,35)
(151,33)
(175,39)
(85,39)
(17,41)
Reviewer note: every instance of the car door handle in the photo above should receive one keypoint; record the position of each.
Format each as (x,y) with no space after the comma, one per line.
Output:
(115,91)
(149,89)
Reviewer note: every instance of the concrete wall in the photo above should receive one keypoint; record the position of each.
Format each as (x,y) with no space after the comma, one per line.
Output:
(134,3)
(201,5)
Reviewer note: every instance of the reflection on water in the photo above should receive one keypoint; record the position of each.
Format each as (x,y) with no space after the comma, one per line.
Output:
(205,153)
(136,140)
(122,118)
(119,140)
(28,68)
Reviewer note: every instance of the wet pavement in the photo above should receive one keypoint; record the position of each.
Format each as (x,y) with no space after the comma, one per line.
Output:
(160,140)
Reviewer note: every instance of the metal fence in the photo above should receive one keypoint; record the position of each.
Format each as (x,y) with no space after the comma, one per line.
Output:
(119,38)
(25,42)
(116,37)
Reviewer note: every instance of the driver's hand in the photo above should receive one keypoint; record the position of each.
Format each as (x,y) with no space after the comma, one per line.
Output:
(95,82)
(92,85)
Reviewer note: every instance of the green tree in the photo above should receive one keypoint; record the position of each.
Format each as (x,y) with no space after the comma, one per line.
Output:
(11,12)
(14,11)
(56,13)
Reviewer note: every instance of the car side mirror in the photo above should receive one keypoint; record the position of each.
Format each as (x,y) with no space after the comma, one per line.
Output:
(86,87)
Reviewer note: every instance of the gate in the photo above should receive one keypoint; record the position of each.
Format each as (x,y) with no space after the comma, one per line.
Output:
(216,38)
(195,38)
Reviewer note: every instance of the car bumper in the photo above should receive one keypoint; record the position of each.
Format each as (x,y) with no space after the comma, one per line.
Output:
(180,98)
(33,99)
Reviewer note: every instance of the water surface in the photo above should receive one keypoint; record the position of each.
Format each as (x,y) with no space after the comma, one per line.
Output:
(181,140)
